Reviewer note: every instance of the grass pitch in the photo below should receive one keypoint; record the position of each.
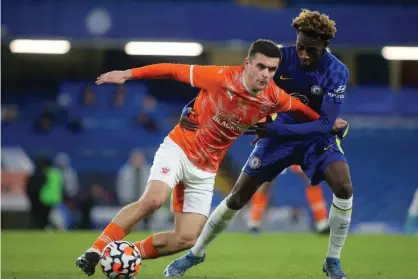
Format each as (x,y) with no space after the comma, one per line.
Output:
(41,255)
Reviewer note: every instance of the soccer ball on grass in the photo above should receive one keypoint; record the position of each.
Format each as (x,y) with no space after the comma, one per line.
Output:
(120,260)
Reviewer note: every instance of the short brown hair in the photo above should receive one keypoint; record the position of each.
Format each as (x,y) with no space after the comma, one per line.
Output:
(265,47)
(313,23)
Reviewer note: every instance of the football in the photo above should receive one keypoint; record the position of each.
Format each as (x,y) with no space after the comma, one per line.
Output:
(120,260)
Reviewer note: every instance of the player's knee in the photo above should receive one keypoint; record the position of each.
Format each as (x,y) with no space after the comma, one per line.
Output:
(344,190)
(150,204)
(235,202)
(186,240)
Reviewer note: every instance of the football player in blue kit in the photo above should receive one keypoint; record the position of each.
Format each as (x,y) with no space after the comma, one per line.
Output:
(319,79)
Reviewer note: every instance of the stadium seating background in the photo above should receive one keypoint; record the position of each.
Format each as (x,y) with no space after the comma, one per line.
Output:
(381,145)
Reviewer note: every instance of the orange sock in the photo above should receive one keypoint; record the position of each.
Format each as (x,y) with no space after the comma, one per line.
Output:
(258,207)
(112,232)
(317,202)
(147,249)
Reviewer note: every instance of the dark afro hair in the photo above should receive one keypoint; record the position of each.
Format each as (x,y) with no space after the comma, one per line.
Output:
(313,23)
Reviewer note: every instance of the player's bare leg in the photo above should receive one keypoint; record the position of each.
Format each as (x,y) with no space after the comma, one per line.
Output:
(188,227)
(155,195)
(337,175)
(258,207)
(241,194)
(243,191)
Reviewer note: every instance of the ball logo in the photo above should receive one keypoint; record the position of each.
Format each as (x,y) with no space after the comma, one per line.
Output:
(165,170)
(254,162)
(106,253)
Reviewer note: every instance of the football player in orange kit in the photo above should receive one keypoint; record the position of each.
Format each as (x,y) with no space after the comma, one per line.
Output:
(232,99)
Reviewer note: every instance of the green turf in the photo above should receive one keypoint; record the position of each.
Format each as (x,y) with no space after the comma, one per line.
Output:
(280,256)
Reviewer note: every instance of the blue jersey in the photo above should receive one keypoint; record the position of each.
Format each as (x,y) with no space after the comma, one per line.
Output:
(292,142)
(322,89)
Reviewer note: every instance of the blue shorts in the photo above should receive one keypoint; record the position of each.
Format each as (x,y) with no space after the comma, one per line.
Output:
(271,156)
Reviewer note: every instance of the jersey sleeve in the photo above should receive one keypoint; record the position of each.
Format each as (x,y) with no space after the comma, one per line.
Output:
(207,76)
(287,103)
(330,108)
(196,75)
(335,88)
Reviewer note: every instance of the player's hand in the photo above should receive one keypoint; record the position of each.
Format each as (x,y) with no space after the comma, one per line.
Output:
(253,131)
(186,122)
(259,129)
(118,77)
(339,125)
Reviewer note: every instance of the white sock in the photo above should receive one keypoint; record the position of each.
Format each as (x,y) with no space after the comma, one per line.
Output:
(413,208)
(252,224)
(321,225)
(217,222)
(339,221)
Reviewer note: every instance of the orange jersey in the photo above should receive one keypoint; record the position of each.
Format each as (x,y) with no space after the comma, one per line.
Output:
(225,108)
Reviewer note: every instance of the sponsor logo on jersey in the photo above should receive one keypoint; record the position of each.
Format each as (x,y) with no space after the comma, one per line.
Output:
(337,94)
(229,122)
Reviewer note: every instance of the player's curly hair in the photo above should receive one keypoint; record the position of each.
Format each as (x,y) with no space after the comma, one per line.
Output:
(313,23)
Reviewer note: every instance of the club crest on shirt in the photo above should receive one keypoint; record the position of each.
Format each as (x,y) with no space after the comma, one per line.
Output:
(254,162)
(165,170)
(264,108)
(316,90)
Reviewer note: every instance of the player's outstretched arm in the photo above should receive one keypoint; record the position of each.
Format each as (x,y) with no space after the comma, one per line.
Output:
(325,124)
(195,75)
(327,120)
